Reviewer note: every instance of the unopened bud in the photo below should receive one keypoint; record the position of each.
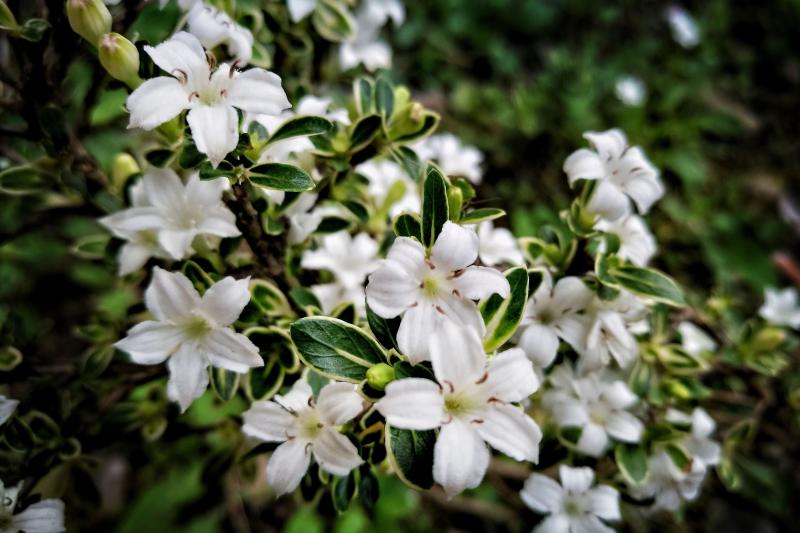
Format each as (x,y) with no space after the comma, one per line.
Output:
(123,167)
(768,339)
(120,58)
(89,18)
(380,375)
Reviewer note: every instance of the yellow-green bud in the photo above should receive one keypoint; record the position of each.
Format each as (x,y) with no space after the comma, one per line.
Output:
(89,18)
(380,375)
(120,58)
(123,167)
(768,339)
(7,20)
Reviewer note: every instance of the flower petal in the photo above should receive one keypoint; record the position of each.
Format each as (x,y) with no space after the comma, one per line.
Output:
(508,429)
(177,243)
(232,351)
(288,465)
(164,189)
(224,301)
(132,257)
(576,480)
(215,130)
(609,144)
(188,377)
(300,9)
(457,354)
(618,395)
(604,502)
(593,440)
(297,398)
(624,426)
(584,164)
(181,54)
(7,408)
(151,342)
(460,458)
(555,523)
(219,222)
(267,421)
(540,344)
(124,224)
(478,282)
(335,453)
(417,327)
(155,102)
(412,403)
(258,91)
(46,516)
(608,201)
(511,376)
(542,494)
(338,403)
(170,295)
(455,248)
(391,290)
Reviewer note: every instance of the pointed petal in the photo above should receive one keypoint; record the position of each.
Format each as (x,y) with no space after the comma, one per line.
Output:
(593,440)
(151,342)
(409,254)
(511,376)
(412,403)
(460,458)
(455,248)
(232,351)
(540,344)
(555,523)
(644,192)
(188,377)
(215,130)
(7,408)
(267,421)
(124,224)
(584,164)
(567,411)
(170,295)
(288,465)
(609,144)
(457,354)
(177,243)
(219,222)
(181,54)
(702,423)
(571,295)
(46,516)
(609,201)
(132,257)
(335,453)
(300,9)
(224,301)
(618,395)
(604,502)
(588,523)
(576,480)
(542,494)
(508,429)
(417,327)
(478,282)
(155,102)
(391,290)
(338,403)
(297,398)
(258,91)
(624,426)
(164,189)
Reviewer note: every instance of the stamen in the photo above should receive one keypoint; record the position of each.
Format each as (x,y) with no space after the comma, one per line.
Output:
(496,400)
(430,264)
(413,305)
(180,75)
(223,93)
(308,447)
(195,94)
(288,410)
(450,385)
(439,309)
(477,420)
(456,274)
(447,420)
(456,293)
(234,67)
(483,379)
(212,60)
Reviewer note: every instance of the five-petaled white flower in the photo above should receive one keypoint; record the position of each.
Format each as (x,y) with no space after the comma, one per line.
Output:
(698,441)
(612,325)
(211,97)
(350,260)
(781,308)
(669,483)
(574,506)
(426,290)
(45,516)
(167,215)
(7,408)
(306,427)
(192,332)
(471,405)
(636,243)
(498,245)
(623,173)
(453,157)
(383,177)
(553,313)
(694,340)
(596,405)
(214,27)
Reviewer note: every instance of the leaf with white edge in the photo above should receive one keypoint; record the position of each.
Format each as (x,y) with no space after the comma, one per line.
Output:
(263,382)
(335,348)
(23,180)
(631,460)
(502,316)
(269,299)
(281,177)
(645,282)
(332,21)
(344,488)
(364,131)
(301,126)
(434,204)
(481,215)
(364,96)
(407,225)
(385,330)
(411,455)
(224,382)
(408,159)
(384,98)
(430,121)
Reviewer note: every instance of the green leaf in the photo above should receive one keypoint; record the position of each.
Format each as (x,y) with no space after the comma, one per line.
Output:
(332,21)
(224,169)
(269,299)
(335,348)
(679,457)
(199,278)
(91,246)
(22,180)
(434,204)
(159,157)
(407,225)
(304,299)
(33,30)
(645,282)
(363,94)
(385,330)
(411,455)
(408,159)
(224,382)
(301,126)
(632,462)
(364,131)
(10,357)
(368,489)
(344,488)
(502,316)
(384,98)
(480,215)
(430,121)
(281,177)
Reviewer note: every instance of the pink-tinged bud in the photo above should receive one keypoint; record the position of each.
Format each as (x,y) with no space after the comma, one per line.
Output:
(89,18)
(120,58)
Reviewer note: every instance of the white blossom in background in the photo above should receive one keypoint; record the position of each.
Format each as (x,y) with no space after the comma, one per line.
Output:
(683,26)
(7,408)
(574,505)
(694,340)
(610,336)
(210,97)
(698,441)
(185,5)
(553,313)
(630,90)
(382,176)
(781,307)
(45,516)
(636,243)
(214,27)
(191,332)
(471,403)
(594,403)
(376,13)
(300,9)
(167,215)
(623,173)
(669,484)
(323,107)
(498,246)
(306,427)
(365,49)
(350,260)
(425,290)
(452,156)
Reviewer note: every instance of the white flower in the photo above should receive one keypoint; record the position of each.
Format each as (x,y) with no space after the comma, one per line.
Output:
(781,308)
(191,332)
(210,97)
(45,516)
(622,172)
(350,260)
(454,158)
(698,442)
(553,313)
(167,215)
(636,243)
(185,5)
(694,340)
(382,176)
(498,245)
(630,90)
(7,408)
(573,506)
(376,13)
(366,49)
(683,26)
(471,405)
(300,9)
(427,289)
(611,331)
(214,27)
(321,106)
(596,405)
(668,483)
(306,427)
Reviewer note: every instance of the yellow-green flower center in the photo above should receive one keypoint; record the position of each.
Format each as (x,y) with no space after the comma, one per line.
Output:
(430,285)
(196,327)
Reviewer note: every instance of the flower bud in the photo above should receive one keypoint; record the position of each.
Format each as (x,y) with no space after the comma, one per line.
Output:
(123,167)
(89,18)
(768,339)
(120,58)
(380,375)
